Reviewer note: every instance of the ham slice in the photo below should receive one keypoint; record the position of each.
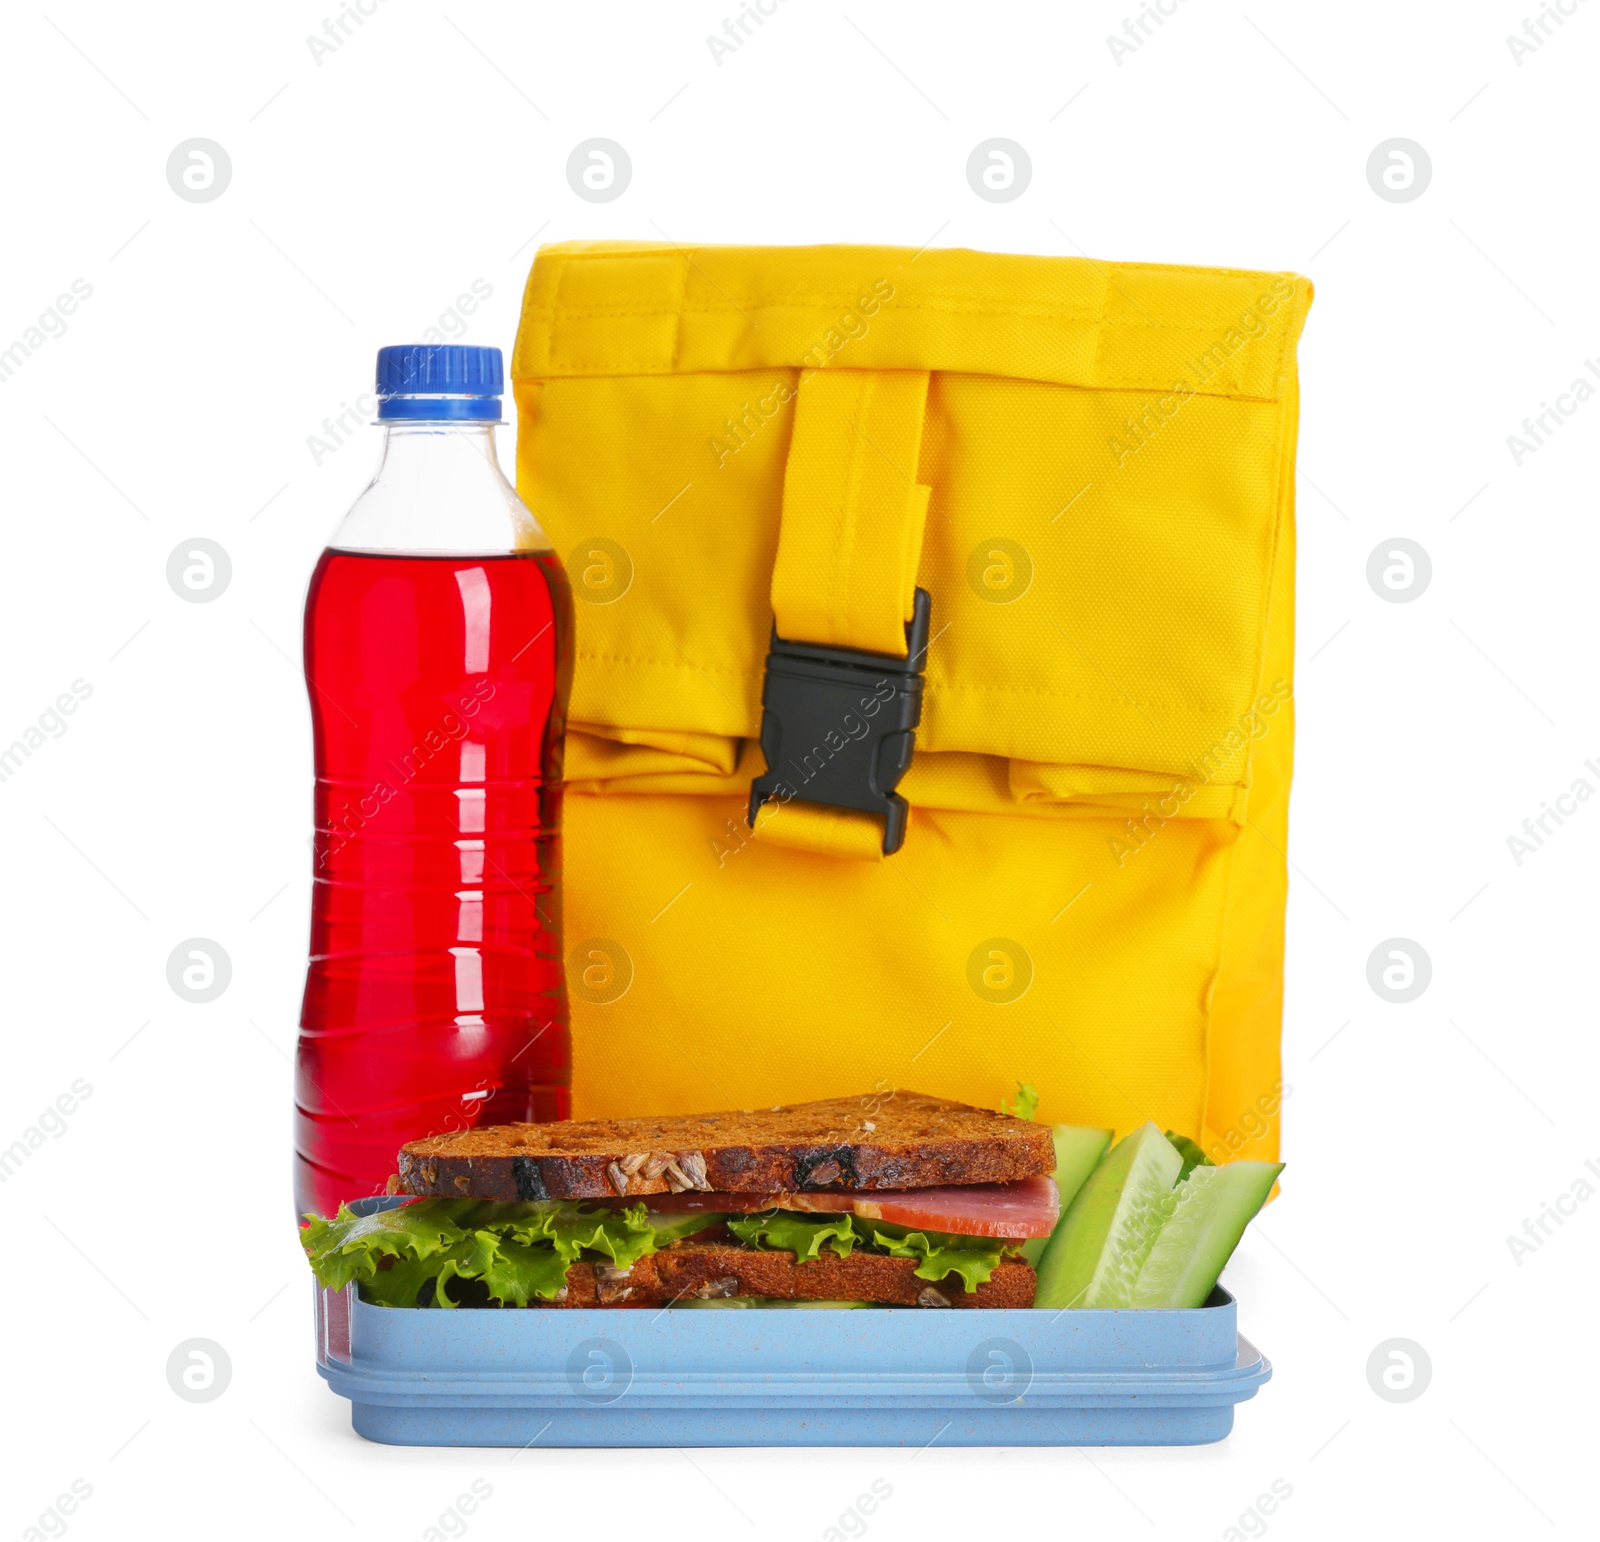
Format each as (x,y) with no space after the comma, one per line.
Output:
(1028,1208)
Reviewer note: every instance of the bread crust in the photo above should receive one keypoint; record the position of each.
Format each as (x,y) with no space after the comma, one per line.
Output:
(900,1140)
(686,1270)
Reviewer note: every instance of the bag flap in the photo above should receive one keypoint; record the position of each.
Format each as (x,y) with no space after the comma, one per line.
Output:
(1109,453)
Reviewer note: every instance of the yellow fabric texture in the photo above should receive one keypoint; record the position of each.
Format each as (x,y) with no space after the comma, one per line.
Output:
(1089,466)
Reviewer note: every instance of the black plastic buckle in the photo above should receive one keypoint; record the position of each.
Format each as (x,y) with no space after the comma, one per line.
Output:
(838,725)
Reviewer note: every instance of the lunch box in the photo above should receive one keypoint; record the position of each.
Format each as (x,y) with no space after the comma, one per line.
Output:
(680,1376)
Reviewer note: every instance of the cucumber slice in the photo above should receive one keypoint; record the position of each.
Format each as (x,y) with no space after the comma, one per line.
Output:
(1096,1252)
(823,1306)
(776,1301)
(1078,1152)
(1213,1207)
(674,1227)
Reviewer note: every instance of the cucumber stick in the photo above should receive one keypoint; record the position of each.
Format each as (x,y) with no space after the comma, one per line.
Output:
(1095,1254)
(1212,1209)
(1078,1153)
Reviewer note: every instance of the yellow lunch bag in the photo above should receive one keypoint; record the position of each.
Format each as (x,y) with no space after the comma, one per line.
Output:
(970,579)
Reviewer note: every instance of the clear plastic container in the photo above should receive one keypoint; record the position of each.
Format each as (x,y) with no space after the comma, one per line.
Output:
(902,1376)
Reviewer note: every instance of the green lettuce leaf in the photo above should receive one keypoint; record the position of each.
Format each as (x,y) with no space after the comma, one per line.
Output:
(512,1271)
(803,1235)
(411,1255)
(405,1279)
(938,1254)
(1027,1102)
(1191,1153)
(447,1252)
(349,1246)
(942,1253)
(624,1236)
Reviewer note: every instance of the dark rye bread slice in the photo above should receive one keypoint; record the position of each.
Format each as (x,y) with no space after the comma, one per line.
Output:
(900,1140)
(686,1271)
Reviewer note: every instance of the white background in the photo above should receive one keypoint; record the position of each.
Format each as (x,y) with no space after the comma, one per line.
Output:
(428,151)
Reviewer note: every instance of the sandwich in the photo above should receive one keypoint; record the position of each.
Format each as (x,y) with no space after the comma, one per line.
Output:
(894,1199)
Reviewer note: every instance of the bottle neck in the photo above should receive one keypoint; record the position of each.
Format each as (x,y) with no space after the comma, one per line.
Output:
(415,448)
(439,488)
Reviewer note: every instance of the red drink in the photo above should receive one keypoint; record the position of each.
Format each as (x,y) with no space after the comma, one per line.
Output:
(435,996)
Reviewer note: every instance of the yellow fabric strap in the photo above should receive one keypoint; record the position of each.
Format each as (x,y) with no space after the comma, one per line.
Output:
(830,832)
(853,512)
(848,546)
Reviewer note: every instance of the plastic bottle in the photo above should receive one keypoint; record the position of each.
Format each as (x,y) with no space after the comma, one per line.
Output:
(438,656)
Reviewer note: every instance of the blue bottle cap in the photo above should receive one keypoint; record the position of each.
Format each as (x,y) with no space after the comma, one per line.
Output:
(440,381)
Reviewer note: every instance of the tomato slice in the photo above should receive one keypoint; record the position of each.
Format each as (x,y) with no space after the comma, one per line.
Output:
(1029,1208)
